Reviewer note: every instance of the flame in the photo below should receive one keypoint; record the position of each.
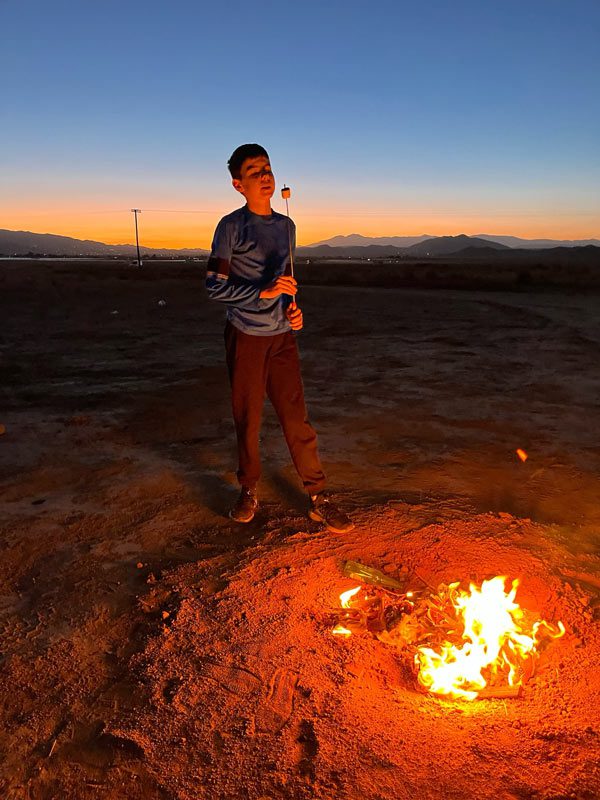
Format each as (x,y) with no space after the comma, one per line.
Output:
(345,597)
(340,630)
(522,454)
(494,641)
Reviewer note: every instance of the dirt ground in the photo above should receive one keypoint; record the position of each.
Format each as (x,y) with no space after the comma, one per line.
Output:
(151,649)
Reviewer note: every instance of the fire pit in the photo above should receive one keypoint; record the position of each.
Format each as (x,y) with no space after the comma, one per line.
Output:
(467,644)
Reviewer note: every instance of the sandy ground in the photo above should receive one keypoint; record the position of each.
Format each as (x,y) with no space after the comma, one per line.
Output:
(151,649)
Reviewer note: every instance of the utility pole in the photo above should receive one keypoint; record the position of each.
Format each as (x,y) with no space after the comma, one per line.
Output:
(137,211)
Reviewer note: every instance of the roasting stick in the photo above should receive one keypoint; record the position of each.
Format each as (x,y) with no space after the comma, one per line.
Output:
(286,193)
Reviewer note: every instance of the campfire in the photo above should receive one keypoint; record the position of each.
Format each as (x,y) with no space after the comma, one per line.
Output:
(465,643)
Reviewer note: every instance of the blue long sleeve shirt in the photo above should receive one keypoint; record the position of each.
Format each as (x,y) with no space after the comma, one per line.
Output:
(248,252)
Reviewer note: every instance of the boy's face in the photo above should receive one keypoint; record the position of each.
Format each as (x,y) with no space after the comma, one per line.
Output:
(256,181)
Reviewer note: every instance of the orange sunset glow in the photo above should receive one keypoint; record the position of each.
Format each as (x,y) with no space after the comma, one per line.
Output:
(194,229)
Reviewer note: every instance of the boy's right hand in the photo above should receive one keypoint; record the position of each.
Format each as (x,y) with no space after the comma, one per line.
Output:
(285,284)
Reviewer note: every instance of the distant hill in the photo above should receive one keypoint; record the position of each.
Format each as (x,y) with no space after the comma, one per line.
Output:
(446,245)
(537,244)
(357,240)
(431,247)
(22,243)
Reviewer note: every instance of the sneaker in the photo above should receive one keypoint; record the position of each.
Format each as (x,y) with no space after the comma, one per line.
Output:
(245,507)
(323,510)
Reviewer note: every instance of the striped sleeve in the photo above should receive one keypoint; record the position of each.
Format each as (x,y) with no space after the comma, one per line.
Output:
(220,284)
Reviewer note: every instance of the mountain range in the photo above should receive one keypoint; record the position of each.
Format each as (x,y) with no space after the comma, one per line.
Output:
(22,243)
(357,240)
(25,243)
(426,248)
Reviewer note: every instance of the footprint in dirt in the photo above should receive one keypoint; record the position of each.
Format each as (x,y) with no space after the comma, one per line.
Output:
(275,711)
(186,695)
(234,679)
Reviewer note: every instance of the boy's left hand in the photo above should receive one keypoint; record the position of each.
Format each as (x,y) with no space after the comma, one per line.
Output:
(294,315)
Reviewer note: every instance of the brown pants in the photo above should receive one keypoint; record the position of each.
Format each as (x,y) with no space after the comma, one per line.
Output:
(269,365)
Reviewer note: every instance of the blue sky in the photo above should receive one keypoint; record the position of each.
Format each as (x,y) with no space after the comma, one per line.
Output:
(379,113)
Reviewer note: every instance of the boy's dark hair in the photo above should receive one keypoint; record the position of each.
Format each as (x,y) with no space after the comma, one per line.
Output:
(240,154)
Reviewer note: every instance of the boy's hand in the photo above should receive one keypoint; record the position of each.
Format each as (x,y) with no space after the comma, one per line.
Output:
(294,315)
(283,285)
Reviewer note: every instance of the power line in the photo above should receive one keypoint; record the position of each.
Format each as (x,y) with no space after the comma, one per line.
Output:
(390,214)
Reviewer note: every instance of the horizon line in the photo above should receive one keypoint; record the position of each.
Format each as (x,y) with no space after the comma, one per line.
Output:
(163,246)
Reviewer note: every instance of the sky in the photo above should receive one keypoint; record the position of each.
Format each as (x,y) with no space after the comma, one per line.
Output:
(385,118)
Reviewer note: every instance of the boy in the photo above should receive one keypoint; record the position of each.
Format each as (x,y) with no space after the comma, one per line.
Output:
(248,271)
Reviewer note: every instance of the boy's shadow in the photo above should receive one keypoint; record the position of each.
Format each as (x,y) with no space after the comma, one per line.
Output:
(289,492)
(217,495)
(213,492)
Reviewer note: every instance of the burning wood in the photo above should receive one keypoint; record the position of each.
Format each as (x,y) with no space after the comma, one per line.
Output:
(369,609)
(466,644)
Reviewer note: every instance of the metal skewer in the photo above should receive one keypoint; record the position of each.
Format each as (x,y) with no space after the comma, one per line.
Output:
(286,193)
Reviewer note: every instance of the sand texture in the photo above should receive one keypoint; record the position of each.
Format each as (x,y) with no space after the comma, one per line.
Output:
(150,649)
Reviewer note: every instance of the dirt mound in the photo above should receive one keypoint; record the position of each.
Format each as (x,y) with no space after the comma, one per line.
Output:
(249,695)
